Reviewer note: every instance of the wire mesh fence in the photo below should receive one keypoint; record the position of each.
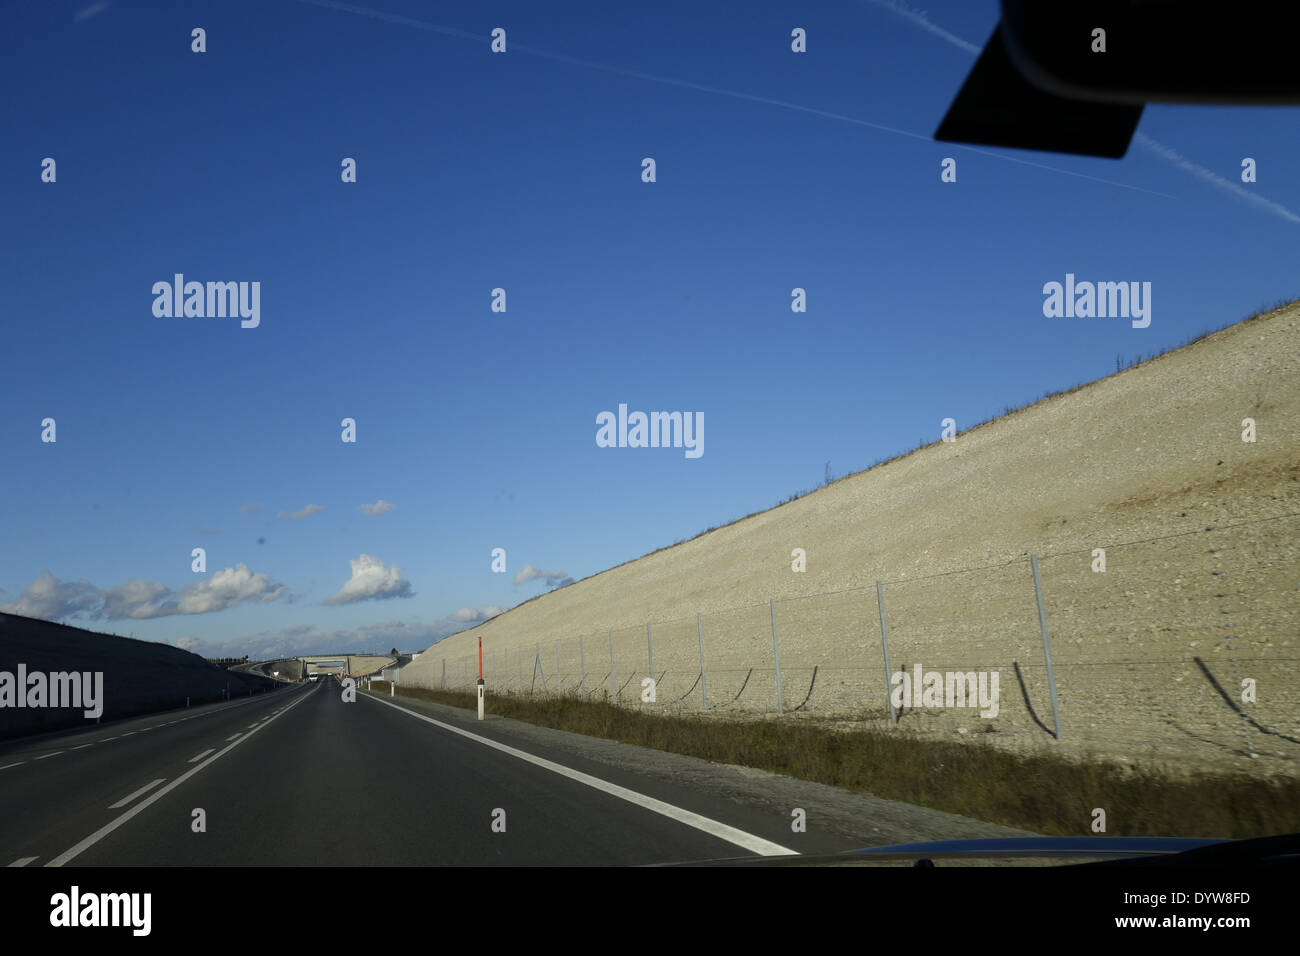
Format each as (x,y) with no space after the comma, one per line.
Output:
(1190,635)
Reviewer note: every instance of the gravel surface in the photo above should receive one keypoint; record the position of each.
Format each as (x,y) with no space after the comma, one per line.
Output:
(1200,594)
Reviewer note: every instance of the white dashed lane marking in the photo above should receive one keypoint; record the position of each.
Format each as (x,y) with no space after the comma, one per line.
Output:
(139,793)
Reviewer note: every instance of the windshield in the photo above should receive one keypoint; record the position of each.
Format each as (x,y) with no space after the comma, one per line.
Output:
(651,374)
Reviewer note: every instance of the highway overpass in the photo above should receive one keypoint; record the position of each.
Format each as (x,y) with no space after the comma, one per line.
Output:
(303,668)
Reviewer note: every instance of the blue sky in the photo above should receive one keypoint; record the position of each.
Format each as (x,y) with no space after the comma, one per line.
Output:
(522,171)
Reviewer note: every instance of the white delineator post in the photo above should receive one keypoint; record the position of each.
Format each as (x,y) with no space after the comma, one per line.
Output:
(480,678)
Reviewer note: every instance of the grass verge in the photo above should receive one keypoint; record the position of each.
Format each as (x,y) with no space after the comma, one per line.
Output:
(1040,793)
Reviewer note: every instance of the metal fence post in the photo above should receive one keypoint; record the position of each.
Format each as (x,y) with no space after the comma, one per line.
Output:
(776,654)
(558,682)
(884,642)
(1047,647)
(650,651)
(613,694)
(704,680)
(444,673)
(582,669)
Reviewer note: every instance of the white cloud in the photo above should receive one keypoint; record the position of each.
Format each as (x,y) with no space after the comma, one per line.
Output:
(530,573)
(372,580)
(50,599)
(244,509)
(378,508)
(304,513)
(471,615)
(136,599)
(227,588)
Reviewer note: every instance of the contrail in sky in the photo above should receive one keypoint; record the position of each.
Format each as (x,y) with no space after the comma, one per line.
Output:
(919,18)
(717,91)
(1214,179)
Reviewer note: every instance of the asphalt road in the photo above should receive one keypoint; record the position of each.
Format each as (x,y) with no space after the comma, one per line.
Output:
(300,777)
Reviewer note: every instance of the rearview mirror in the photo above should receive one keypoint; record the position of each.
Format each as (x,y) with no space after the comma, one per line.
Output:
(1145,51)
(1072,76)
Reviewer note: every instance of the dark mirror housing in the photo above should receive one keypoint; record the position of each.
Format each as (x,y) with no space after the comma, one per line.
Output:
(1072,76)
(1148,51)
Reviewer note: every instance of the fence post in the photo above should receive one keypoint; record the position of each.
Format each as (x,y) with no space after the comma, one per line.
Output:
(650,651)
(444,673)
(582,669)
(613,694)
(704,680)
(776,654)
(884,642)
(1047,647)
(559,684)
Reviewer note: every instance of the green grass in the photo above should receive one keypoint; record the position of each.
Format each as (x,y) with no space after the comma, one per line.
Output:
(1045,794)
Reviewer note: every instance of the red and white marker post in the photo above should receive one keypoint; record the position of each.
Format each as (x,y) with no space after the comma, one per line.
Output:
(480,678)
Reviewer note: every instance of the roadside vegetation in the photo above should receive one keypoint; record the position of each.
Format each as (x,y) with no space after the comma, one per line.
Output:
(1041,793)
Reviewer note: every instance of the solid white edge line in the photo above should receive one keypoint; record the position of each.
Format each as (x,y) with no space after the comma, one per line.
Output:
(747,841)
(143,790)
(112,825)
